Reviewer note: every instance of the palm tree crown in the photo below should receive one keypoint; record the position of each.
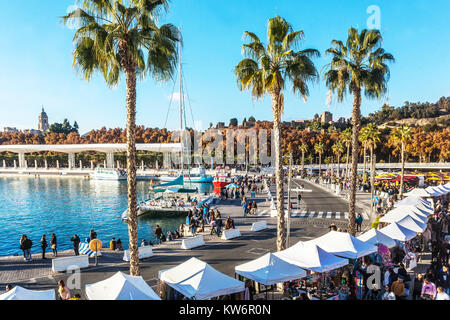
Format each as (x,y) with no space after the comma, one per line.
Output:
(113,36)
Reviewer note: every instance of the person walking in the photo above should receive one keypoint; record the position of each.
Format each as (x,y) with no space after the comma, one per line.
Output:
(443,279)
(25,246)
(158,233)
(76,244)
(53,244)
(398,287)
(359,221)
(244,207)
(64,292)
(428,290)
(218,224)
(43,245)
(418,283)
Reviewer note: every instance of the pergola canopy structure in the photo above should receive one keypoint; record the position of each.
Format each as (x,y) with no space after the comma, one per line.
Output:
(72,149)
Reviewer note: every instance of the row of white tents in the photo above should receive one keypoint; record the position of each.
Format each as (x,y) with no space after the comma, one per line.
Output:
(198,280)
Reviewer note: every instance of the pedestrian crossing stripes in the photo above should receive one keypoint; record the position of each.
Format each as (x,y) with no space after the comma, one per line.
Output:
(311,214)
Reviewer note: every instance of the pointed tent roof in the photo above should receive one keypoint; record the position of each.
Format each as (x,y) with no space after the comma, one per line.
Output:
(343,244)
(374,237)
(417,192)
(311,257)
(414,201)
(19,293)
(197,280)
(434,193)
(412,224)
(442,189)
(270,269)
(401,212)
(121,286)
(398,232)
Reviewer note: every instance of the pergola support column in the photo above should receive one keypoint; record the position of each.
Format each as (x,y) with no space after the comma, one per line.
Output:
(46,164)
(71,160)
(22,162)
(110,160)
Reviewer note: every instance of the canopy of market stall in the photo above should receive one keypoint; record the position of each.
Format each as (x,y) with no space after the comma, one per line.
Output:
(399,213)
(418,192)
(412,224)
(343,244)
(121,287)
(311,257)
(270,269)
(19,293)
(398,232)
(197,280)
(375,237)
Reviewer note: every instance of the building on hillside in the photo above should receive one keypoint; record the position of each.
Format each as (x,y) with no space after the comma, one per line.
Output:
(9,129)
(326,117)
(32,131)
(43,121)
(220,125)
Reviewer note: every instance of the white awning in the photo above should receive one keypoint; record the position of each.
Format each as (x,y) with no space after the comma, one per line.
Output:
(19,293)
(398,232)
(270,269)
(375,237)
(417,192)
(399,213)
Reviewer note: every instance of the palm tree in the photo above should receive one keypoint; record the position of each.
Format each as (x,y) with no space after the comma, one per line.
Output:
(266,70)
(346,137)
(115,37)
(303,148)
(372,138)
(338,149)
(402,135)
(358,64)
(319,148)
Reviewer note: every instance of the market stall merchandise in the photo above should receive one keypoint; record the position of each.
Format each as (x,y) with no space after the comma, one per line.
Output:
(197,280)
(412,224)
(311,257)
(270,269)
(19,293)
(121,286)
(376,237)
(398,232)
(344,245)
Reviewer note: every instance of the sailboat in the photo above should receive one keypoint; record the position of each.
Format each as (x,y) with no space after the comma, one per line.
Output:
(194,175)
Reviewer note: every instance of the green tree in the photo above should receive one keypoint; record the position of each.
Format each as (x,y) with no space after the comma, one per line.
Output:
(359,64)
(119,36)
(346,137)
(266,70)
(338,150)
(319,148)
(303,148)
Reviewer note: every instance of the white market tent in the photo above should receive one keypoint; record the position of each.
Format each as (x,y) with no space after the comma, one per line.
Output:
(412,224)
(401,212)
(397,232)
(19,293)
(121,287)
(343,244)
(375,237)
(197,280)
(414,201)
(311,257)
(417,192)
(433,192)
(442,189)
(270,269)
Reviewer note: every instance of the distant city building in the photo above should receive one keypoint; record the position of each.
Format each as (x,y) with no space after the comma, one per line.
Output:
(43,121)
(220,125)
(9,129)
(341,120)
(326,117)
(32,131)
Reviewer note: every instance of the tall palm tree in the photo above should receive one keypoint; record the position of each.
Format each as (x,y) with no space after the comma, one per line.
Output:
(303,148)
(115,37)
(266,70)
(372,138)
(338,150)
(358,64)
(346,137)
(319,148)
(402,135)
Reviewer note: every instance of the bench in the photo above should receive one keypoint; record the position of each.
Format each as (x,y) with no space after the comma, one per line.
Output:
(260,225)
(70,263)
(230,234)
(144,252)
(192,242)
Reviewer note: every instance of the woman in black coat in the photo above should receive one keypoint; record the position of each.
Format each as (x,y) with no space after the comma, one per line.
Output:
(417,290)
(43,245)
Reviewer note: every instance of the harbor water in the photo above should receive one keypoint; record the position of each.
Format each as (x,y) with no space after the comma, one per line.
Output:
(71,205)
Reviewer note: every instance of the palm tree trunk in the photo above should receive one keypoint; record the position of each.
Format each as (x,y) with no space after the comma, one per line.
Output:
(356,115)
(130,73)
(320,165)
(372,178)
(365,162)
(281,224)
(347,160)
(303,161)
(339,167)
(403,169)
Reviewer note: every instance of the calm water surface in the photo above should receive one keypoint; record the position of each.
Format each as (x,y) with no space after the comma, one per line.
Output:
(68,206)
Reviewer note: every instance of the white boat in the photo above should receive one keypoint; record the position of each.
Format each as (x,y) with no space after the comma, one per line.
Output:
(109,174)
(196,175)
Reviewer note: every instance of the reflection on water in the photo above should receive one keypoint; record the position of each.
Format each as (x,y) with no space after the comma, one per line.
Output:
(68,206)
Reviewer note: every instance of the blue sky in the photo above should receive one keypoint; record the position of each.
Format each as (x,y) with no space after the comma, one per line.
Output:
(36,62)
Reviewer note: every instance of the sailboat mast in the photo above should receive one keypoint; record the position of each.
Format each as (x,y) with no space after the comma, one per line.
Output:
(181,99)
